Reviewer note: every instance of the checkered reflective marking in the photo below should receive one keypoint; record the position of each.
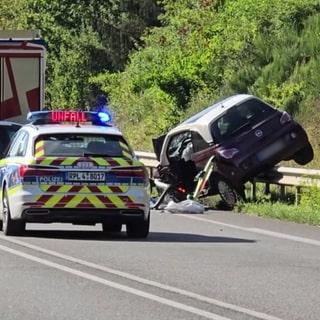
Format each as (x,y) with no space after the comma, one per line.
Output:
(125,150)
(98,162)
(39,150)
(84,189)
(85,201)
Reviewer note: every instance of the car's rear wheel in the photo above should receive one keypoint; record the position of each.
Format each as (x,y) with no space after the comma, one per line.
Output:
(304,156)
(10,227)
(138,229)
(111,227)
(227,192)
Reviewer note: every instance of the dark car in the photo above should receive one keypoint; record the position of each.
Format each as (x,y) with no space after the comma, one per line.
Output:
(242,136)
(7,131)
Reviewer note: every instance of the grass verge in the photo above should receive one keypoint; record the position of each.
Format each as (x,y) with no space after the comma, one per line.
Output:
(306,211)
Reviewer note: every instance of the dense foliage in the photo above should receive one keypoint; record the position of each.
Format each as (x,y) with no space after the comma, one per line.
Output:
(208,49)
(159,61)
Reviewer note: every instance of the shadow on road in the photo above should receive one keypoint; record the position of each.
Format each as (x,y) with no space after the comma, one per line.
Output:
(121,236)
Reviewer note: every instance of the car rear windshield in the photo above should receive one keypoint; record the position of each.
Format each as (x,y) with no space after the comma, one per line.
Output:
(241,118)
(78,145)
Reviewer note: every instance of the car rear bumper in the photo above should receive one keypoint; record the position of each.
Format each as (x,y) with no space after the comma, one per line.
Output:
(28,204)
(264,159)
(262,156)
(82,216)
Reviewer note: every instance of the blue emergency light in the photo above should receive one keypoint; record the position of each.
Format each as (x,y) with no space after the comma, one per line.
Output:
(101,118)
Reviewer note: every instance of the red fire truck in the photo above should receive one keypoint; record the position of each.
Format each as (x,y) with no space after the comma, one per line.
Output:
(22,70)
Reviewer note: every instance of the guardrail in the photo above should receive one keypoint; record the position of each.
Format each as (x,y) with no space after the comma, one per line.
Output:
(278,175)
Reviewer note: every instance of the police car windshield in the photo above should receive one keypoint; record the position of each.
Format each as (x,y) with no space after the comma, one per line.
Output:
(77,145)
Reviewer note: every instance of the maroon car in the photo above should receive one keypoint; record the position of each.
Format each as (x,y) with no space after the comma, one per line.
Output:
(244,135)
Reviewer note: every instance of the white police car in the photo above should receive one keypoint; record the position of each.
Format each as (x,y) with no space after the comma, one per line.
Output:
(73,167)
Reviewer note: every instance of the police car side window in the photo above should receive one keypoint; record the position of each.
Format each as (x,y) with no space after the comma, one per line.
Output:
(22,149)
(19,146)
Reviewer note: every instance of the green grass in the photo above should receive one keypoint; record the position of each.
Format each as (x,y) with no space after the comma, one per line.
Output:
(306,211)
(288,212)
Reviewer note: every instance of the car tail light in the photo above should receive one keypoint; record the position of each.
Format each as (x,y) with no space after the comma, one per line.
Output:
(25,170)
(285,117)
(182,190)
(137,172)
(228,153)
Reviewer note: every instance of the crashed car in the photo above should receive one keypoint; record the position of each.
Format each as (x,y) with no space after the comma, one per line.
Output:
(241,135)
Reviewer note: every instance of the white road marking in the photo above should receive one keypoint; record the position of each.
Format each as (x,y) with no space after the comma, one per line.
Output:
(256,230)
(159,285)
(115,285)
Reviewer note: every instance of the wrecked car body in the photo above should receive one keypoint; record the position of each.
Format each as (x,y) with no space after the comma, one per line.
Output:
(241,135)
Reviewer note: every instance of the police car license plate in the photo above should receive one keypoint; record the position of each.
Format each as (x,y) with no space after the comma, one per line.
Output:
(86,176)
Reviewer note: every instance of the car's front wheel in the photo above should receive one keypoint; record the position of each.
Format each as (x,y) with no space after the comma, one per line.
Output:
(138,229)
(10,227)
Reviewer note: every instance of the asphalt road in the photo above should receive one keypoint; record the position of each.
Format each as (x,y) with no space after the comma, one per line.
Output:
(216,265)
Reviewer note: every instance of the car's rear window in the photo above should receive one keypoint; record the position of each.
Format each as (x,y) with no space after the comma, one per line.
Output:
(241,117)
(78,145)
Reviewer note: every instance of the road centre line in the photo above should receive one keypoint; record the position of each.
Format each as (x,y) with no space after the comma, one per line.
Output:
(256,230)
(115,285)
(128,276)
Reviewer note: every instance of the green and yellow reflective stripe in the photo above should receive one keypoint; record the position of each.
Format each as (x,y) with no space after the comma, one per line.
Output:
(39,149)
(69,161)
(46,161)
(74,201)
(125,150)
(100,161)
(14,189)
(84,189)
(116,201)
(122,162)
(96,202)
(50,203)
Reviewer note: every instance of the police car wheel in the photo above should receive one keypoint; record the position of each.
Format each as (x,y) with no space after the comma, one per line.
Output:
(10,227)
(111,227)
(138,229)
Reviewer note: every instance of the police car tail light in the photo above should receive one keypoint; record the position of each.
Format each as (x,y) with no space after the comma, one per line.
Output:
(137,172)
(25,170)
(228,153)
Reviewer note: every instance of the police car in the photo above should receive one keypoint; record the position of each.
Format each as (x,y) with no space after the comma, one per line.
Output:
(73,167)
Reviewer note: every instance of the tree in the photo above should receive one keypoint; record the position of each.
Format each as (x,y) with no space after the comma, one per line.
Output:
(85,38)
(13,14)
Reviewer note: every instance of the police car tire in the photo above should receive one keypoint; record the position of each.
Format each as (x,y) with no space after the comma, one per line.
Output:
(10,227)
(138,229)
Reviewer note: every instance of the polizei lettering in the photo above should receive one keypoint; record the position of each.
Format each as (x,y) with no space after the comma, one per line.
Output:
(52,180)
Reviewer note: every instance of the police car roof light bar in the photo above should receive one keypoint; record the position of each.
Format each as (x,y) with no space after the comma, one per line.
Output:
(57,117)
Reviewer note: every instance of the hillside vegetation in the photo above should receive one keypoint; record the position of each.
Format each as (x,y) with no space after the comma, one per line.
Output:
(159,61)
(206,50)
